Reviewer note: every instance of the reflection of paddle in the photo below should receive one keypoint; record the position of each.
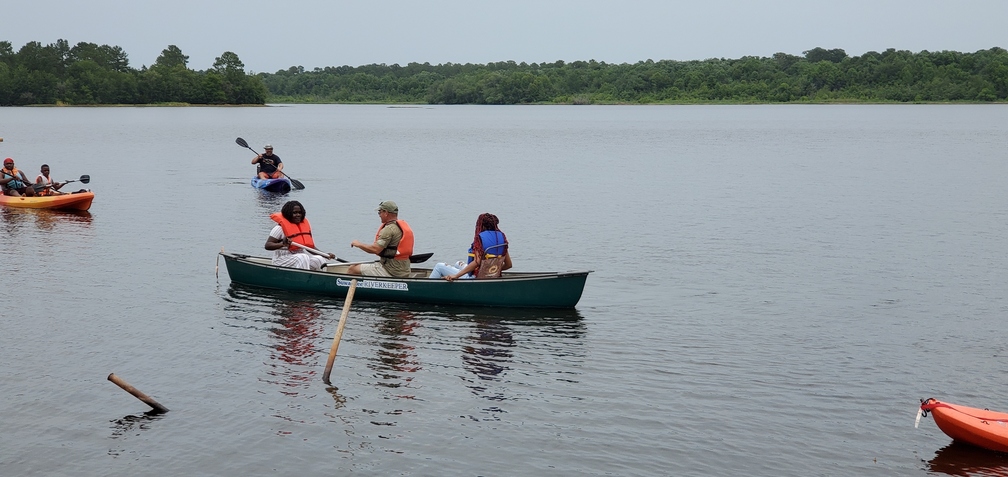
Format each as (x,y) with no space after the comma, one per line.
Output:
(297,184)
(418,258)
(84,179)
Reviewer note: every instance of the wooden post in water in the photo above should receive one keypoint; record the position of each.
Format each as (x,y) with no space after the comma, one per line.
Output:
(339,331)
(136,393)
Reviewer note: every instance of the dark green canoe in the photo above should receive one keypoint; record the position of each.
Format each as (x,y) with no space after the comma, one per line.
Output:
(514,289)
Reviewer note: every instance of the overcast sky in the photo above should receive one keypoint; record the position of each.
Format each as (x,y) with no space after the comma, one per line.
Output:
(274,35)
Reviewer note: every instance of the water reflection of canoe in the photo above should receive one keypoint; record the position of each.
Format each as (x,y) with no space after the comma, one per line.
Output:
(514,289)
(281,185)
(980,427)
(74,201)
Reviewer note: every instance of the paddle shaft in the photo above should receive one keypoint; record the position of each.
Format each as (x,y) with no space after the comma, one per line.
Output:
(84,179)
(313,250)
(418,258)
(136,393)
(339,331)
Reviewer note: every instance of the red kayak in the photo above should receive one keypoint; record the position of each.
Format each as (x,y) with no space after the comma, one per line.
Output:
(980,427)
(74,201)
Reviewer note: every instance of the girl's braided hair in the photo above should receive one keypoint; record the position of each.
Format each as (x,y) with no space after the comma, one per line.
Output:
(484,222)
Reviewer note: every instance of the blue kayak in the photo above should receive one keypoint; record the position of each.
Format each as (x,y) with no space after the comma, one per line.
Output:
(281,185)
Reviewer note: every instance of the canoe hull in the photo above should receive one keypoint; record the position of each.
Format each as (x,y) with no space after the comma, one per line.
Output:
(75,201)
(979,427)
(280,186)
(514,290)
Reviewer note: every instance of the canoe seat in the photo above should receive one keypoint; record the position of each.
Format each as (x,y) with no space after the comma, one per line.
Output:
(422,274)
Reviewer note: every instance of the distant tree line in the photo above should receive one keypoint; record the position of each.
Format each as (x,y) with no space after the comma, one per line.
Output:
(819,75)
(100,74)
(88,73)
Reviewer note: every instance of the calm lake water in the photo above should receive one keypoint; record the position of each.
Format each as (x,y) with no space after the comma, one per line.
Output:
(775,289)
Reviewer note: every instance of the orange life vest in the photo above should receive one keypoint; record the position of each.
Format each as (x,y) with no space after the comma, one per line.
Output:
(405,247)
(47,182)
(300,233)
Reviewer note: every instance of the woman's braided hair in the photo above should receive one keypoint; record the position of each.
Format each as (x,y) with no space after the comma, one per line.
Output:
(484,222)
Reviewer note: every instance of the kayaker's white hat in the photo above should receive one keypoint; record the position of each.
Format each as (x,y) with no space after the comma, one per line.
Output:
(388,206)
(268,146)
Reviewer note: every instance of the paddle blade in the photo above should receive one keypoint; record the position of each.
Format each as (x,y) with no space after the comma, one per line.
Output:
(39,187)
(296,183)
(420,257)
(85,179)
(241,142)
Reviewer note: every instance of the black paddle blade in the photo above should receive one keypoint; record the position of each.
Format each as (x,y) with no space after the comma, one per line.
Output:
(296,183)
(420,257)
(39,187)
(241,142)
(85,179)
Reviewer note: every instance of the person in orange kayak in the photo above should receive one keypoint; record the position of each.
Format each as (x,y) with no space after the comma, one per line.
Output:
(270,166)
(292,227)
(393,244)
(46,184)
(13,181)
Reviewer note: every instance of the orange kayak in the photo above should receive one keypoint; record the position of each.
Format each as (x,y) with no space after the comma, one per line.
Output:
(75,201)
(980,427)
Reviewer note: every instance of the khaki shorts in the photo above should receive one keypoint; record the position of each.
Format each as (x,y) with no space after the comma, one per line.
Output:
(374,269)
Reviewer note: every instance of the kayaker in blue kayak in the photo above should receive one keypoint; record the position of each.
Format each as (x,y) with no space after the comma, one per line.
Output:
(270,165)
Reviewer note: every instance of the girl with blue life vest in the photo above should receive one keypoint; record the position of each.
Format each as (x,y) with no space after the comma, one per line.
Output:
(488,255)
(293,228)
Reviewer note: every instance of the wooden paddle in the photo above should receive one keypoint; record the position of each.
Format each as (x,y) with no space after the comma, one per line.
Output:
(418,258)
(297,184)
(84,179)
(339,331)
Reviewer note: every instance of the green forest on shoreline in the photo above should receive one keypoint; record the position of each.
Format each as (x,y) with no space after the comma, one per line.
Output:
(91,74)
